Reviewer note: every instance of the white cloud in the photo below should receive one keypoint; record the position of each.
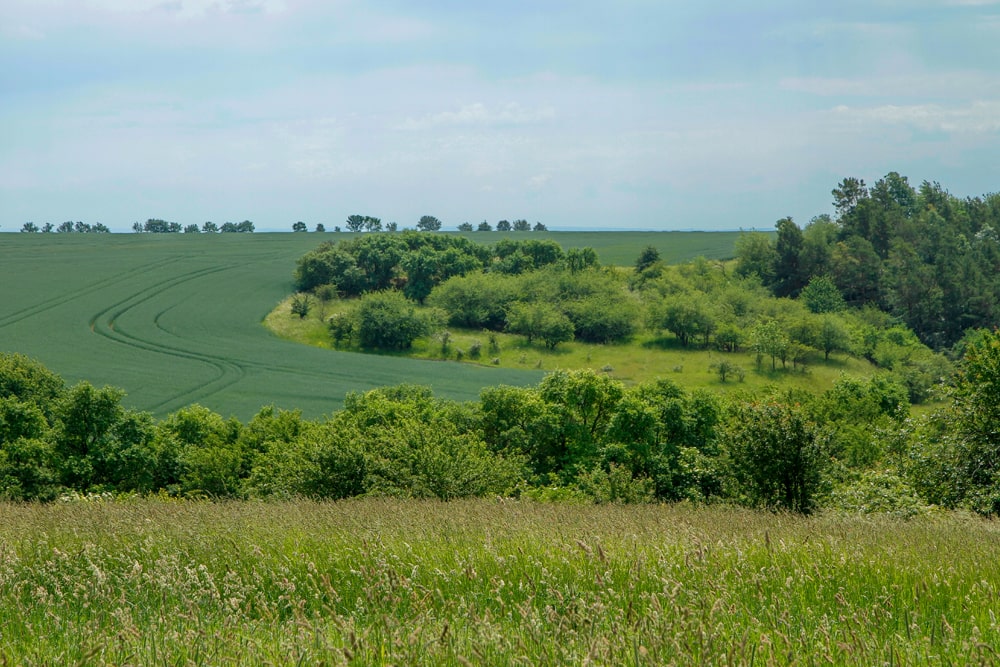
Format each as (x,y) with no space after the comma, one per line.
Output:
(952,84)
(480,114)
(982,117)
(539,181)
(189,8)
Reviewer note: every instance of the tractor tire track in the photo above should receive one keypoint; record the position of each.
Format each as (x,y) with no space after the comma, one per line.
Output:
(227,371)
(66,297)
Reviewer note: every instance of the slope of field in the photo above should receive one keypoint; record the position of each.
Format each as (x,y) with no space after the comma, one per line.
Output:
(176,319)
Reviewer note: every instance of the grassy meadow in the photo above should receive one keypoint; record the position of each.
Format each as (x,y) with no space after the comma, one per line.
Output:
(490,582)
(175,319)
(645,358)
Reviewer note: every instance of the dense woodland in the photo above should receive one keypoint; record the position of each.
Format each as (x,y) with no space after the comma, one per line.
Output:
(904,278)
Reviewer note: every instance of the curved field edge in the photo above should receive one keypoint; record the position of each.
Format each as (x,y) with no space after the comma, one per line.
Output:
(490,582)
(176,318)
(646,357)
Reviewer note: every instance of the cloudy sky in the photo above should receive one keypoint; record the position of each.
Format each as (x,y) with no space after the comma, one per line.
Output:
(631,114)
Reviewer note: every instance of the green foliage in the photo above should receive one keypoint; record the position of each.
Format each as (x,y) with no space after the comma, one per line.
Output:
(29,381)
(685,316)
(822,296)
(539,320)
(207,454)
(776,457)
(768,338)
(301,305)
(971,454)
(388,321)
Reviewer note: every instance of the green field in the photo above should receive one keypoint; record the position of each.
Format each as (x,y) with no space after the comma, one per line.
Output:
(176,319)
(377,582)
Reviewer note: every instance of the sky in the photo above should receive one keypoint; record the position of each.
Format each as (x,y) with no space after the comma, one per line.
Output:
(583,114)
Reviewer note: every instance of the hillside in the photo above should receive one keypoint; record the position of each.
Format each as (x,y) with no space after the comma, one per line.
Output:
(175,319)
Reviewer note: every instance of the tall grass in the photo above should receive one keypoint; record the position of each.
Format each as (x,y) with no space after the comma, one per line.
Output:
(391,582)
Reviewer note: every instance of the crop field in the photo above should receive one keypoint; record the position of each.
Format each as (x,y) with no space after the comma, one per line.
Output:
(490,582)
(176,319)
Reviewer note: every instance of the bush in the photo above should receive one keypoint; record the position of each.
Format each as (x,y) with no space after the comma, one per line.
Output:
(776,458)
(387,320)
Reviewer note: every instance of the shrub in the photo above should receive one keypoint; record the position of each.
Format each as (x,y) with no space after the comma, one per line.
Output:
(776,458)
(387,320)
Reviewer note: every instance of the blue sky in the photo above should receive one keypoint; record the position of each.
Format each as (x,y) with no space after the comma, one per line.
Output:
(634,114)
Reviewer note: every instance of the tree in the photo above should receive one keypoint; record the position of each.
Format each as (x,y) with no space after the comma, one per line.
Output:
(299,227)
(465,227)
(768,338)
(30,228)
(503,226)
(725,368)
(540,320)
(776,456)
(191,229)
(428,223)
(685,317)
(847,194)
(320,227)
(484,227)
(245,227)
(755,256)
(355,223)
(971,459)
(788,277)
(228,228)
(66,227)
(539,227)
(47,228)
(422,268)
(822,296)
(209,227)
(373,224)
(392,227)
(832,336)
(647,258)
(578,259)
(301,305)
(387,320)
(521,225)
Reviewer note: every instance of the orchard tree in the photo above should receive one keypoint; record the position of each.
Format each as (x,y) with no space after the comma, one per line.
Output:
(540,320)
(769,338)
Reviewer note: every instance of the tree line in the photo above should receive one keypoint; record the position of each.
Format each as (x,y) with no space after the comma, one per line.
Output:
(68,227)
(577,436)
(390,291)
(358,223)
(922,255)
